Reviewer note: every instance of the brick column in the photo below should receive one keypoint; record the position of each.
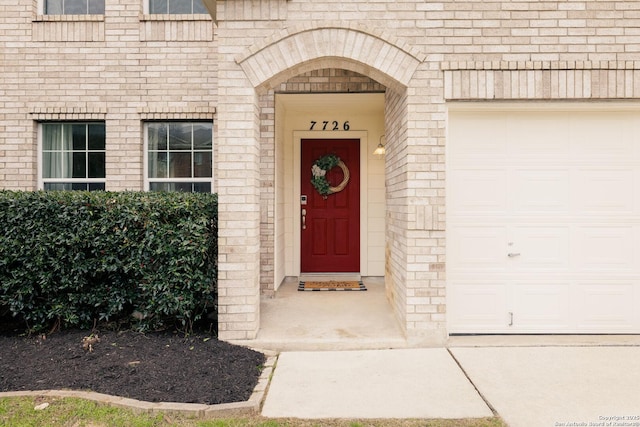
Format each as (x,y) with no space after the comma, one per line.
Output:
(415,269)
(425,189)
(238,173)
(239,166)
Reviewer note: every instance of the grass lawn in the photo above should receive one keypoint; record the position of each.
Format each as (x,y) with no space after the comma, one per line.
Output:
(69,412)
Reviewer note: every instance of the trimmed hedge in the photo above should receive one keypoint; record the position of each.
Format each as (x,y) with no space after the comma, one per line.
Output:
(70,259)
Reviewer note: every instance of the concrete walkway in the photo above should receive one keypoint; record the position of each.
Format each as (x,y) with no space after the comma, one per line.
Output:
(527,386)
(557,386)
(530,380)
(420,383)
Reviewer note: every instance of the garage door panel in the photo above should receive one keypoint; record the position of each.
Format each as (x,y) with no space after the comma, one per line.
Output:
(489,141)
(539,137)
(541,248)
(636,191)
(606,306)
(540,191)
(636,251)
(478,248)
(541,306)
(477,306)
(611,191)
(605,248)
(478,190)
(601,135)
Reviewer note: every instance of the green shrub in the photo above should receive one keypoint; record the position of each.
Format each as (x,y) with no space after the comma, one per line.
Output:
(70,259)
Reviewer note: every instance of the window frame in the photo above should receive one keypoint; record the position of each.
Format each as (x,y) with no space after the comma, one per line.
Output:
(147,181)
(42,181)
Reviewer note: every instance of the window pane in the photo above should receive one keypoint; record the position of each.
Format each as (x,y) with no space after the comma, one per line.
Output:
(58,186)
(51,136)
(202,164)
(79,165)
(179,165)
(52,165)
(157,6)
(96,7)
(67,137)
(79,186)
(180,136)
(96,165)
(53,7)
(179,6)
(56,136)
(202,136)
(96,136)
(182,186)
(157,165)
(157,136)
(202,187)
(79,133)
(170,186)
(158,186)
(75,7)
(57,164)
(198,7)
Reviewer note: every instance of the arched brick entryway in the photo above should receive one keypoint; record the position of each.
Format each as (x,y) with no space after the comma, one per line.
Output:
(254,70)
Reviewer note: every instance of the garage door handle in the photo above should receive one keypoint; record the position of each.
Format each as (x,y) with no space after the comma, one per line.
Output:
(513,254)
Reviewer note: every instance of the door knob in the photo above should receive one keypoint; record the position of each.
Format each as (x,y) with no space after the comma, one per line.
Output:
(513,254)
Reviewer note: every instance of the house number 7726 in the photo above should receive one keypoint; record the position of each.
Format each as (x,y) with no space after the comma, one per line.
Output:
(334,125)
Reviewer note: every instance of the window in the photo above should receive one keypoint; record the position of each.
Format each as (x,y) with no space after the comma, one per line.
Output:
(177,7)
(73,156)
(180,156)
(74,7)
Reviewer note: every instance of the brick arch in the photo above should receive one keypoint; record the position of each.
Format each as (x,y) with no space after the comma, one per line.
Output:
(355,48)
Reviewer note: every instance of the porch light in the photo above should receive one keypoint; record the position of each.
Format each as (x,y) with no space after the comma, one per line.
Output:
(380,150)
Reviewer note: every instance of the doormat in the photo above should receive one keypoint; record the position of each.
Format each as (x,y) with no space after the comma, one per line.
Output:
(333,285)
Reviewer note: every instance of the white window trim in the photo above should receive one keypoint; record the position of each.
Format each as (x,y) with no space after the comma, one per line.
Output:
(145,156)
(39,160)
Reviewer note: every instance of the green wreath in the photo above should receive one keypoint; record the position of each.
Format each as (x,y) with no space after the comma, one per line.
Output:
(319,171)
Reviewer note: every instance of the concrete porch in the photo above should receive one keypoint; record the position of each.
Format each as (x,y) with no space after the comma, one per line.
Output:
(341,320)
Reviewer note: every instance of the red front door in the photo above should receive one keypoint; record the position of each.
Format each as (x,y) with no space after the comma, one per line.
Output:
(330,235)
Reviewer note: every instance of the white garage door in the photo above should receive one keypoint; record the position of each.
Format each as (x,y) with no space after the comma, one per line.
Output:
(543,221)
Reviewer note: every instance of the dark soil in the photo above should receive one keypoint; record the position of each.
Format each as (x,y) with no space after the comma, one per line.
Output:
(155,367)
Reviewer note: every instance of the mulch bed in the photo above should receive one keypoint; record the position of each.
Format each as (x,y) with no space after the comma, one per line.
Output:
(154,367)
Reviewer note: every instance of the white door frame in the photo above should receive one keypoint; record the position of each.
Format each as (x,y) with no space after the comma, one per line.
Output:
(298,136)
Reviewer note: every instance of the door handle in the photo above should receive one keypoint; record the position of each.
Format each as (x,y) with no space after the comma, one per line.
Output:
(513,254)
(304,219)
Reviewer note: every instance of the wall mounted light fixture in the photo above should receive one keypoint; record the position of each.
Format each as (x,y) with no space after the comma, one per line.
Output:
(380,150)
